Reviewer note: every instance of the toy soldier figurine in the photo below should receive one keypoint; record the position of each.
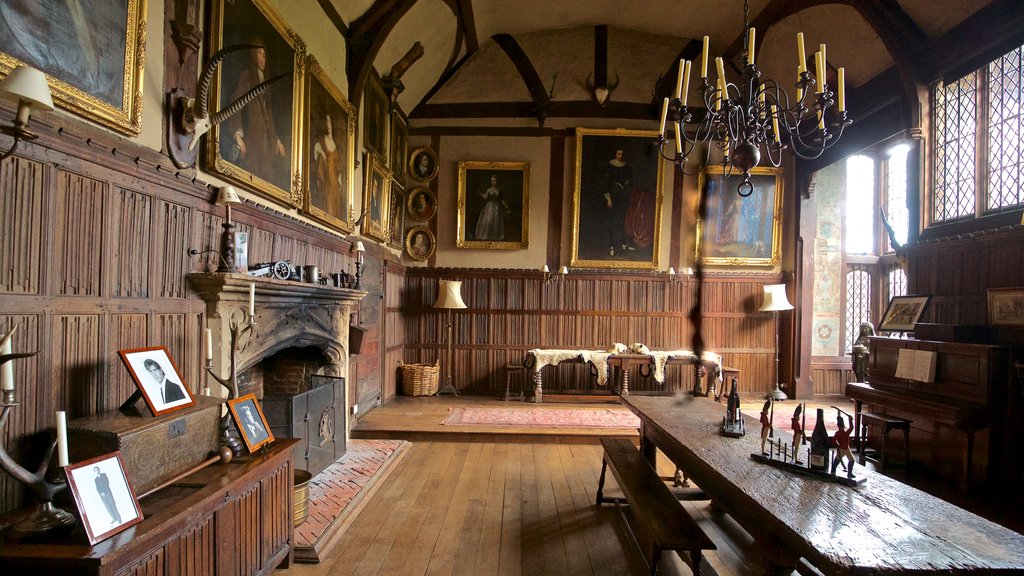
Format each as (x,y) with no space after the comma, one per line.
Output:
(766,424)
(798,432)
(841,440)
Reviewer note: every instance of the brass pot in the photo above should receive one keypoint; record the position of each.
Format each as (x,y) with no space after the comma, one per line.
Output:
(300,498)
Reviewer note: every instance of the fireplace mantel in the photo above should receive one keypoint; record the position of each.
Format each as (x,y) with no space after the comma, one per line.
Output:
(288,314)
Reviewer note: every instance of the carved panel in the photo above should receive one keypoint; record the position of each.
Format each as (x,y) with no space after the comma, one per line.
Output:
(237,519)
(133,234)
(29,416)
(171,254)
(77,235)
(277,511)
(75,381)
(152,565)
(21,212)
(126,331)
(193,552)
(261,246)
(206,236)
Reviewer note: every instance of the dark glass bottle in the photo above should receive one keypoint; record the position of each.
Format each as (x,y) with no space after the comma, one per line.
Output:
(819,443)
(734,403)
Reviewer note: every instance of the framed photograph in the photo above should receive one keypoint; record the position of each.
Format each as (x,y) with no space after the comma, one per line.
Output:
(93,54)
(260,146)
(421,204)
(157,378)
(419,243)
(376,196)
(616,221)
(242,251)
(375,116)
(738,230)
(328,151)
(423,164)
(103,495)
(252,424)
(903,313)
(494,205)
(396,221)
(1006,306)
(399,146)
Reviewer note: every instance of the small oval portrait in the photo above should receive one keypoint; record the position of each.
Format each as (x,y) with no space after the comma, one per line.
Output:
(419,243)
(423,164)
(421,204)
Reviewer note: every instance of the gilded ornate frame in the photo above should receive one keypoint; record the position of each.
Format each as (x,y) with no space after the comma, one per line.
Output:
(344,135)
(514,201)
(376,181)
(741,231)
(126,118)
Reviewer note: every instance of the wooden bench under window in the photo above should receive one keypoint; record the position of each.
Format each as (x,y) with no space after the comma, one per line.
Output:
(667,526)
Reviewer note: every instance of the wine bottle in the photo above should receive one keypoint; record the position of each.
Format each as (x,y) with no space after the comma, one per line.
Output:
(819,443)
(734,403)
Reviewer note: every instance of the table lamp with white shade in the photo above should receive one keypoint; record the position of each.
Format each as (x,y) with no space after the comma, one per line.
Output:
(449,297)
(775,301)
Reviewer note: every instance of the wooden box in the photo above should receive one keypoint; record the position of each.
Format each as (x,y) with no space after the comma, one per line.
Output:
(154,449)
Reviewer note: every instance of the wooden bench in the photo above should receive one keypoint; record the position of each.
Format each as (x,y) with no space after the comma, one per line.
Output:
(653,505)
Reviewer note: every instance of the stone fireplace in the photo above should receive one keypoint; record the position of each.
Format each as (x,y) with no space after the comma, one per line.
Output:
(294,358)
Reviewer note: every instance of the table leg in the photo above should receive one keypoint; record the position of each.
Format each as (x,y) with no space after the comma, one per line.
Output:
(624,385)
(648,449)
(538,389)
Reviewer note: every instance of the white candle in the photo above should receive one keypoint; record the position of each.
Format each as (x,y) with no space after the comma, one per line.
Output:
(775,123)
(545,269)
(819,72)
(824,59)
(842,89)
(252,299)
(206,391)
(720,65)
(209,344)
(686,82)
(679,78)
(800,54)
(821,120)
(564,270)
(7,372)
(750,46)
(679,139)
(664,116)
(704,59)
(62,439)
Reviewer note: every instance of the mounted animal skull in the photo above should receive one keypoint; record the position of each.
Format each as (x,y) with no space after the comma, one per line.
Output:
(602,93)
(196,119)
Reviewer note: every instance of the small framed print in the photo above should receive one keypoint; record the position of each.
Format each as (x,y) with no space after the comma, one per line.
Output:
(242,251)
(1006,306)
(252,424)
(157,378)
(903,313)
(423,164)
(104,496)
(421,204)
(419,243)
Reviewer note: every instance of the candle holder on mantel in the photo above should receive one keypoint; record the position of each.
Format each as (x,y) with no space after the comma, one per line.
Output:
(228,431)
(46,519)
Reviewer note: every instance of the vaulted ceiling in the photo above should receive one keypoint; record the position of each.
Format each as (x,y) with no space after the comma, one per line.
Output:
(505,58)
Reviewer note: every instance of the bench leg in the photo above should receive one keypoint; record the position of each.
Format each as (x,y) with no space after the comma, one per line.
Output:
(600,482)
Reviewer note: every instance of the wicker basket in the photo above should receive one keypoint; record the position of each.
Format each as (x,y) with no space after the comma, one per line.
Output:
(419,379)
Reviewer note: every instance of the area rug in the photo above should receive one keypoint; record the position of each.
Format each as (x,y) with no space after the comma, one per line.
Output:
(338,492)
(538,417)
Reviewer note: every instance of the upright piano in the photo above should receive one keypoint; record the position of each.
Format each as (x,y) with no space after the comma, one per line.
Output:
(963,425)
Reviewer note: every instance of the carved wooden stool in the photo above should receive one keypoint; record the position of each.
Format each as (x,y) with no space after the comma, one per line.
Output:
(510,371)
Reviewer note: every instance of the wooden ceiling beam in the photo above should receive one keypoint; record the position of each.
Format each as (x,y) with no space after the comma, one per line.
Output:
(528,73)
(367,35)
(467,21)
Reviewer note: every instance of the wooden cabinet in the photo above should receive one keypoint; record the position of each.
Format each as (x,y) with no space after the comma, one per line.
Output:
(225,520)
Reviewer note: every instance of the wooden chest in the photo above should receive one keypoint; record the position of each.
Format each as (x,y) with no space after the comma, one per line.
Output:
(154,449)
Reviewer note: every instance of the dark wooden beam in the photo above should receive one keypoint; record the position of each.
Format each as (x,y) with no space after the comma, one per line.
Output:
(334,17)
(989,33)
(556,187)
(601,55)
(366,36)
(527,72)
(493,131)
(467,22)
(665,86)
(555,109)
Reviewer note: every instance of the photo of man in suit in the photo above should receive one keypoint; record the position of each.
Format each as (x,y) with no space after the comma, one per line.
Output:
(103,489)
(170,391)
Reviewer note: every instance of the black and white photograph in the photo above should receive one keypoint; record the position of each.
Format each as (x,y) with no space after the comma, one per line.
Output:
(104,496)
(251,423)
(158,379)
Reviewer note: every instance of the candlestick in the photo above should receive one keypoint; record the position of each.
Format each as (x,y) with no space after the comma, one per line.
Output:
(7,370)
(750,46)
(252,299)
(62,439)
(679,78)
(720,66)
(842,89)
(686,82)
(209,344)
(704,59)
(664,116)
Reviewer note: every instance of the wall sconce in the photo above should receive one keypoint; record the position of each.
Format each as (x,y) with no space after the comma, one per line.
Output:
(191,116)
(549,277)
(27,86)
(360,250)
(672,276)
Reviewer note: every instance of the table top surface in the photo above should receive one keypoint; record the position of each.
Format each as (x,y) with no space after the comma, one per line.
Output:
(883,526)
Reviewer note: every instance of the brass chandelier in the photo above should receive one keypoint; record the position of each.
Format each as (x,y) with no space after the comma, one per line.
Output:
(743,118)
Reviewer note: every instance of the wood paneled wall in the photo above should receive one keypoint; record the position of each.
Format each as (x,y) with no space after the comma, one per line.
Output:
(511,311)
(93,259)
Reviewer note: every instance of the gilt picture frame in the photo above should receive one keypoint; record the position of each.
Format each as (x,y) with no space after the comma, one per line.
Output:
(1006,307)
(493,205)
(740,230)
(396,220)
(328,151)
(617,200)
(399,145)
(103,495)
(259,147)
(421,204)
(376,197)
(375,116)
(903,313)
(423,165)
(420,243)
(98,76)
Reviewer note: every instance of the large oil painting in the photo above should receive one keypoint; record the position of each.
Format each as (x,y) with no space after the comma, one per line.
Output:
(259,146)
(328,152)
(494,205)
(617,200)
(92,52)
(741,230)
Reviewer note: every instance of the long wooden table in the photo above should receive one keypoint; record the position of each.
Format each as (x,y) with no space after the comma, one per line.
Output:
(882,527)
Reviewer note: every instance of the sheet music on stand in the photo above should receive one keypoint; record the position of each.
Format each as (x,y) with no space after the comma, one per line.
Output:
(916,365)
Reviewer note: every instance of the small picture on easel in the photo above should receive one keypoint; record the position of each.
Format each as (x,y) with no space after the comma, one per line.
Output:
(252,424)
(157,378)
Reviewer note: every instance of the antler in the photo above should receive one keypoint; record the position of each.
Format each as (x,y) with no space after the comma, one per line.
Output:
(233,108)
